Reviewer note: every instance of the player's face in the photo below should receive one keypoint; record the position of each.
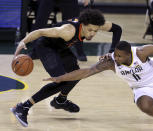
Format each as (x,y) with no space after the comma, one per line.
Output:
(122,57)
(89,31)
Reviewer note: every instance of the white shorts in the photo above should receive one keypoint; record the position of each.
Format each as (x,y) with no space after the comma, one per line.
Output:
(138,92)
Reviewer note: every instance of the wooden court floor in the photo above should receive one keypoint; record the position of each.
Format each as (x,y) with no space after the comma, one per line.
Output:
(105,100)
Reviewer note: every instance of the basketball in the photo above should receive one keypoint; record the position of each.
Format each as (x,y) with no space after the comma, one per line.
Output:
(22,65)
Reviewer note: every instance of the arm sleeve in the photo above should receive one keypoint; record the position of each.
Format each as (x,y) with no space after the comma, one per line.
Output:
(117,32)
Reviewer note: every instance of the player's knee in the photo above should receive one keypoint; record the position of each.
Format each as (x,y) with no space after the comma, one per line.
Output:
(145,105)
(145,108)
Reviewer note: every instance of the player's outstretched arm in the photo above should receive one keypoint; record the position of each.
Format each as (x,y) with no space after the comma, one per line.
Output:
(103,64)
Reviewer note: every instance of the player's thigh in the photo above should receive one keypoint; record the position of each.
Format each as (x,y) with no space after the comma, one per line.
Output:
(50,60)
(144,97)
(145,103)
(70,62)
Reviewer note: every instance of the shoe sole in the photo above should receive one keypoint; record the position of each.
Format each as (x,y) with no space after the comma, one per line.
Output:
(21,122)
(56,107)
(64,109)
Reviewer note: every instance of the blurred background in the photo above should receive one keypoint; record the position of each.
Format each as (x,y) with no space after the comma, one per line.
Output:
(19,17)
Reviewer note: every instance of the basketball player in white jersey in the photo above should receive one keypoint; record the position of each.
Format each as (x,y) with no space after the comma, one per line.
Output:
(130,63)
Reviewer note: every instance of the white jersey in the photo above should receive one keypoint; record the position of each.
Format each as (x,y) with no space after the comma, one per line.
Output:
(138,74)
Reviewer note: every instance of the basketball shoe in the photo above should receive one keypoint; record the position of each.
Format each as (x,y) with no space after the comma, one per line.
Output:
(67,105)
(21,113)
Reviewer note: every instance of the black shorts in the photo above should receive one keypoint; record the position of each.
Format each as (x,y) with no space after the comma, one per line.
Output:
(56,63)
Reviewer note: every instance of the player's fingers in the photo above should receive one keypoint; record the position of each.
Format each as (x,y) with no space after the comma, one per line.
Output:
(47,79)
(22,45)
(51,79)
(107,56)
(14,57)
(25,47)
(101,57)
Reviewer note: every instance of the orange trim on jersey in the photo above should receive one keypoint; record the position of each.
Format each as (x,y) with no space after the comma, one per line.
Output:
(80,28)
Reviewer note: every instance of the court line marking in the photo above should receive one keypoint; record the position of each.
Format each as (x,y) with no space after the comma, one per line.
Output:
(25,85)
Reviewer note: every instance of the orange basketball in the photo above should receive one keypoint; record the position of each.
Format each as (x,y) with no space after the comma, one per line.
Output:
(22,65)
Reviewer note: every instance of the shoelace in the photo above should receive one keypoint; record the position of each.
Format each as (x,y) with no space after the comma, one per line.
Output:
(70,103)
(25,112)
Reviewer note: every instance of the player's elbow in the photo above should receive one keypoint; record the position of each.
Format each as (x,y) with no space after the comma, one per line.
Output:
(116,28)
(119,29)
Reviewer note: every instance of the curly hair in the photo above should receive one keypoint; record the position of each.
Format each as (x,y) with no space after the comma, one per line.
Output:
(92,16)
(124,46)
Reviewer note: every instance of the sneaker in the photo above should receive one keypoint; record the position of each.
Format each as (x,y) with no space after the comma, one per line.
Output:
(67,105)
(21,113)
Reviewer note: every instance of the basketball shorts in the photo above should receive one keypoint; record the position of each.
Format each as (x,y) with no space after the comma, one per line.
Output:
(143,91)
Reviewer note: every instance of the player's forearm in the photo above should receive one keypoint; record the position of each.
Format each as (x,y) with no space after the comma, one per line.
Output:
(75,75)
(103,64)
(84,73)
(32,36)
(117,32)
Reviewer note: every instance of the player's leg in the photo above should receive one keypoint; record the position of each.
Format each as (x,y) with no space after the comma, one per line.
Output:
(144,99)
(81,56)
(145,104)
(61,101)
(67,57)
(53,65)
(56,65)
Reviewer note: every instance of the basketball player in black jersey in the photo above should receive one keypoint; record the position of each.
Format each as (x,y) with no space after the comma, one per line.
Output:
(52,48)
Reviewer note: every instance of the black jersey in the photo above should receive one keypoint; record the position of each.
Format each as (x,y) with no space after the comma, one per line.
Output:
(60,44)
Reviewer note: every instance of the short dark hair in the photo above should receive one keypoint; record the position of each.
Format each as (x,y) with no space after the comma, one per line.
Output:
(92,16)
(124,46)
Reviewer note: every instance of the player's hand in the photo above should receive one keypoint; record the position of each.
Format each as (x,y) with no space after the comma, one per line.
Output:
(19,48)
(54,79)
(106,56)
(22,45)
